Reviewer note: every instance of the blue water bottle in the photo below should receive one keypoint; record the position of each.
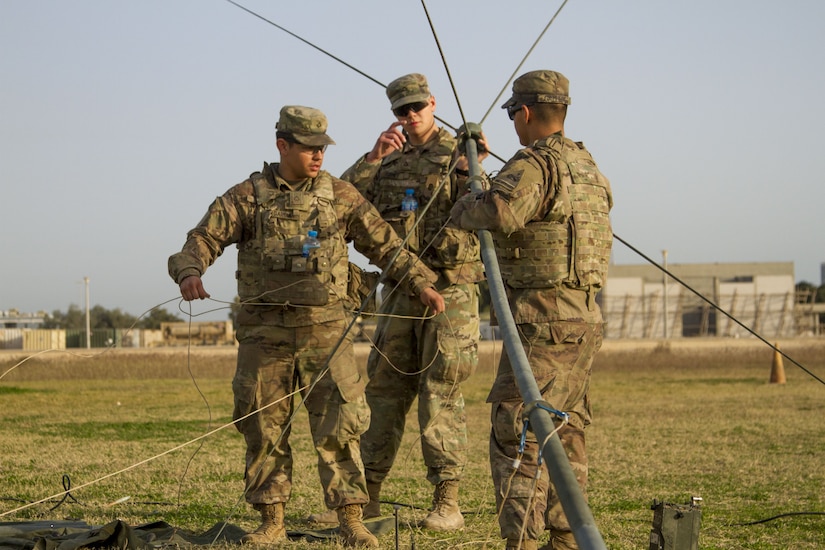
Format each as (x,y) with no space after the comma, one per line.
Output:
(310,242)
(408,203)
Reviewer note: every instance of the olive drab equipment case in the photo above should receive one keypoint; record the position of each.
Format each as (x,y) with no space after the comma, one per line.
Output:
(676,526)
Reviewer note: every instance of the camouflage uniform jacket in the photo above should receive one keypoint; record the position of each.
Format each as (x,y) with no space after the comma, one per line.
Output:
(452,252)
(232,219)
(527,192)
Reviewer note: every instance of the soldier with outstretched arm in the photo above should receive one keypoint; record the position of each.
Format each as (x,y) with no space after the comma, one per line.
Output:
(292,317)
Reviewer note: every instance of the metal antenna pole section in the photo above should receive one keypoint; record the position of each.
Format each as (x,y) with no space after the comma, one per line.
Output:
(575,507)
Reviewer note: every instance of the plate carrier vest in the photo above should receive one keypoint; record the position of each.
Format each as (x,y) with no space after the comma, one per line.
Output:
(271,267)
(399,172)
(571,245)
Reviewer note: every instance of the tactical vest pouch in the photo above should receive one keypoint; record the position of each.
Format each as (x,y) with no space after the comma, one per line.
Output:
(454,248)
(404,224)
(360,286)
(271,265)
(278,262)
(536,257)
(281,288)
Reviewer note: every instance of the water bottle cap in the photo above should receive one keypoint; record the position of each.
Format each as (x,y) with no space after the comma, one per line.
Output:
(409,191)
(312,233)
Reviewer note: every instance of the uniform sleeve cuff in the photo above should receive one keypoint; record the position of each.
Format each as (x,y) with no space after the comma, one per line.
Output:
(188,272)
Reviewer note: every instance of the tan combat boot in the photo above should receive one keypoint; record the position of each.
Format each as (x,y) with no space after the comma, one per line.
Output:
(272,525)
(371,510)
(446,515)
(352,530)
(330,517)
(524,545)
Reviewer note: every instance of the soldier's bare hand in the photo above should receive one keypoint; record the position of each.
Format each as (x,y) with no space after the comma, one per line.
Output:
(483,148)
(191,288)
(483,152)
(392,139)
(433,300)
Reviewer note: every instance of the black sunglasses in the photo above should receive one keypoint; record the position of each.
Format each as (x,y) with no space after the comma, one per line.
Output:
(513,109)
(404,110)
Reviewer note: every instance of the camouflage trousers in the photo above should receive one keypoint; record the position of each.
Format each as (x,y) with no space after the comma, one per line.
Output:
(274,361)
(425,359)
(565,367)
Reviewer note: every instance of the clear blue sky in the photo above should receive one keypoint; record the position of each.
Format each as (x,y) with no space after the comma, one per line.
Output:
(121,121)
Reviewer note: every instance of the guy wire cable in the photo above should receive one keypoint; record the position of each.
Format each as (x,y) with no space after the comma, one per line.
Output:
(203,398)
(716,307)
(89,354)
(323,51)
(130,467)
(444,62)
(449,76)
(308,43)
(616,237)
(504,88)
(762,339)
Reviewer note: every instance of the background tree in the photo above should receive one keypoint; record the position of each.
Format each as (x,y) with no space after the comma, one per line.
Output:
(74,318)
(101,318)
(155,317)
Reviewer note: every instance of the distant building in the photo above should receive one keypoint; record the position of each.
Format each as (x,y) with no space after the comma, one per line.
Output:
(640,302)
(11,318)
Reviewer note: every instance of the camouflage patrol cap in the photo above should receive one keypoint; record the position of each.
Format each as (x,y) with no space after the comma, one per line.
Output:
(306,125)
(539,87)
(409,88)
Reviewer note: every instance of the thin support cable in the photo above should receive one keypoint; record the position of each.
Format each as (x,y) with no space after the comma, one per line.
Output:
(444,62)
(144,461)
(308,43)
(325,52)
(338,59)
(717,308)
(504,88)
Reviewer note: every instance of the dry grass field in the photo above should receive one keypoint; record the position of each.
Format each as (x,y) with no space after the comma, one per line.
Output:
(686,418)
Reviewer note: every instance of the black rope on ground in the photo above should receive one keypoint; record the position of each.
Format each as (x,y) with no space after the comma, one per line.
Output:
(787,514)
(67,485)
